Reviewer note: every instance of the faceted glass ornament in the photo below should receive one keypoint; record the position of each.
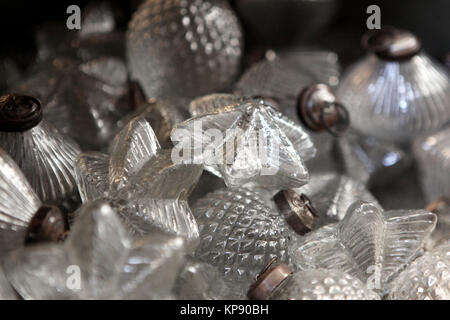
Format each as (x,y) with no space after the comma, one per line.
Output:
(109,265)
(208,41)
(427,278)
(85,100)
(281,76)
(239,235)
(141,181)
(332,194)
(246,142)
(200,281)
(433,158)
(396,92)
(370,244)
(23,217)
(322,284)
(46,157)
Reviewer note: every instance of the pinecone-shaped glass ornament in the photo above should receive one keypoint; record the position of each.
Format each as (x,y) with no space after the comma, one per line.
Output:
(427,278)
(368,244)
(397,91)
(208,41)
(46,157)
(109,264)
(200,281)
(23,217)
(140,179)
(239,235)
(246,142)
(433,158)
(277,282)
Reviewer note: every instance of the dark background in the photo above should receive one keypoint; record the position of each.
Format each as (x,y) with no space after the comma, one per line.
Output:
(429,19)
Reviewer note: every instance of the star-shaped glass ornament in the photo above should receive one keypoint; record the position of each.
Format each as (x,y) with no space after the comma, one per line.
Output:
(24,218)
(97,261)
(246,142)
(239,234)
(46,157)
(370,244)
(149,189)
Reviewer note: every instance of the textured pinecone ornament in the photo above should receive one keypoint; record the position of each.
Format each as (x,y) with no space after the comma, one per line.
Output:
(239,235)
(208,41)
(397,91)
(111,266)
(427,278)
(369,244)
(46,157)
(140,179)
(259,147)
(23,217)
(277,282)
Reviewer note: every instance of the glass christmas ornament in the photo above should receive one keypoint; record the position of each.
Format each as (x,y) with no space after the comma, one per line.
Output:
(397,91)
(200,281)
(427,278)
(239,235)
(85,100)
(332,194)
(433,161)
(281,76)
(246,142)
(369,244)
(23,217)
(184,48)
(441,234)
(277,21)
(140,179)
(97,261)
(277,282)
(6,291)
(46,157)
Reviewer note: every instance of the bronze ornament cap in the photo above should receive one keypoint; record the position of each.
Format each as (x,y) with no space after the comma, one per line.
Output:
(48,224)
(270,279)
(19,113)
(298,210)
(436,205)
(319,110)
(390,43)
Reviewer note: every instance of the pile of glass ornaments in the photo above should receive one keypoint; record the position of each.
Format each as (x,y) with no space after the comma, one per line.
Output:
(167,172)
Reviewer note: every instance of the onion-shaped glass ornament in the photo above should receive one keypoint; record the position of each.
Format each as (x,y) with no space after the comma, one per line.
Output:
(184,48)
(23,217)
(433,158)
(46,157)
(110,265)
(397,91)
(277,282)
(427,278)
(239,235)
(370,244)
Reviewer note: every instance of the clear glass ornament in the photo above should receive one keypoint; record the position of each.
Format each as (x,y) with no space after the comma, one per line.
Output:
(149,191)
(97,261)
(208,41)
(46,157)
(370,244)
(200,281)
(6,291)
(427,278)
(246,143)
(23,217)
(433,161)
(239,234)
(396,92)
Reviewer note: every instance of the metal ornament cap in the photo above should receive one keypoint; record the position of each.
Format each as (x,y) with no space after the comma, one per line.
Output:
(319,110)
(297,209)
(270,279)
(436,205)
(19,113)
(392,44)
(47,224)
